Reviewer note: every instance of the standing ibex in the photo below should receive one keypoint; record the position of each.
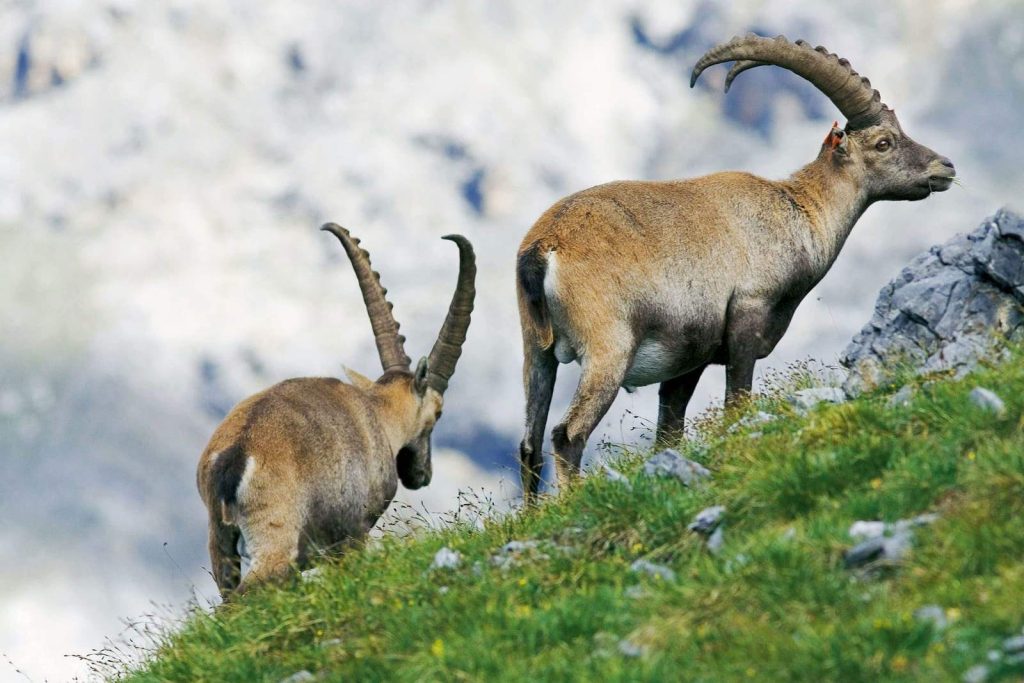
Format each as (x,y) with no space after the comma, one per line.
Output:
(310,464)
(644,282)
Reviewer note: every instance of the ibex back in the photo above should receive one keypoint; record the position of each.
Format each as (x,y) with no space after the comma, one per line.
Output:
(309,465)
(645,282)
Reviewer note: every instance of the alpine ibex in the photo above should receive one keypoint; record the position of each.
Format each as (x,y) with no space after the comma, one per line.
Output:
(310,464)
(644,282)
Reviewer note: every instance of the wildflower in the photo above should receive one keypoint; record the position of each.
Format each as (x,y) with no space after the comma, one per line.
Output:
(437,649)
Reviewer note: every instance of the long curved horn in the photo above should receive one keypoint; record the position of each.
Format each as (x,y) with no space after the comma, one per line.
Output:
(853,95)
(448,347)
(390,344)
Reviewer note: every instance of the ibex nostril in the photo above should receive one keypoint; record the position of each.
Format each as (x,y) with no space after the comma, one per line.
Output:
(946,162)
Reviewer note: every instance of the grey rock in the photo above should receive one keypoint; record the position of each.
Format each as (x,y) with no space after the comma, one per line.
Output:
(932,614)
(330,642)
(516,552)
(716,540)
(976,674)
(753,420)
(311,574)
(805,399)
(987,400)
(668,463)
(945,309)
(879,550)
(630,649)
(637,592)
(446,558)
(862,529)
(1013,645)
(994,655)
(299,677)
(652,569)
(902,397)
(612,474)
(707,520)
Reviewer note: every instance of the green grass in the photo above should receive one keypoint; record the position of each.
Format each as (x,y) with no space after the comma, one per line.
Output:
(776,605)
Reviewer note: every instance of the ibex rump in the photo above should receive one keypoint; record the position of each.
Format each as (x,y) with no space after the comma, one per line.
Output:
(645,282)
(310,464)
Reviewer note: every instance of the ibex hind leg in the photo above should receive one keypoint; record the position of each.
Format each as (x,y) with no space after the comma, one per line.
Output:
(273,535)
(540,368)
(224,558)
(603,374)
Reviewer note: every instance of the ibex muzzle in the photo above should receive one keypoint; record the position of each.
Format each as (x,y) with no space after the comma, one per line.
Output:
(645,282)
(309,465)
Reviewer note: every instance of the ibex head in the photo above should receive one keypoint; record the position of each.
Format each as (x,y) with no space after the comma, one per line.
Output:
(419,396)
(873,146)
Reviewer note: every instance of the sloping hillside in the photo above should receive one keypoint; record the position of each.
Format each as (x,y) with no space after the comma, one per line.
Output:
(777,601)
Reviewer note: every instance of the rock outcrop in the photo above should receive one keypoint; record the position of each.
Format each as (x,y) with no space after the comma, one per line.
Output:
(946,308)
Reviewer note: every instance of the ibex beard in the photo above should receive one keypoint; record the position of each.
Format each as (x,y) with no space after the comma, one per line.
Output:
(651,282)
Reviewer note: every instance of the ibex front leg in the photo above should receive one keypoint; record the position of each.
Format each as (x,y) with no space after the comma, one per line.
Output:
(603,373)
(673,397)
(745,340)
(539,370)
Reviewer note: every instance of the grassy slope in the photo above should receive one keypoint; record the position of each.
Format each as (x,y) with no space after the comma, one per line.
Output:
(775,605)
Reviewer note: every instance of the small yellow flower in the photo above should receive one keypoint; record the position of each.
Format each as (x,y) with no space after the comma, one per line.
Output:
(522,581)
(898,663)
(971,455)
(953,613)
(876,483)
(522,611)
(437,649)
(751,672)
(637,547)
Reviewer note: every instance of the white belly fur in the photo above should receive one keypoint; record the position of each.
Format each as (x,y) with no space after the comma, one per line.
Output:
(652,363)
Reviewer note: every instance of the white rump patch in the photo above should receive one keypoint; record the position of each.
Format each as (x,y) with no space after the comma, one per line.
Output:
(564,352)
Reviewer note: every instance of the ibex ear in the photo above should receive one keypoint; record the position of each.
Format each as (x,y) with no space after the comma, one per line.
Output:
(836,139)
(420,381)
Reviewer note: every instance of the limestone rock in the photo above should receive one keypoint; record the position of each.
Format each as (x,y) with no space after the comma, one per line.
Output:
(946,308)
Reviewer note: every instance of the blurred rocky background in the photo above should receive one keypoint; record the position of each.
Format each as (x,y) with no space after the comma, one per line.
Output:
(164,167)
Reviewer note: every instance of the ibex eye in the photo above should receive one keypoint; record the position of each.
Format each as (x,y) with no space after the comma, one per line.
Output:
(882,145)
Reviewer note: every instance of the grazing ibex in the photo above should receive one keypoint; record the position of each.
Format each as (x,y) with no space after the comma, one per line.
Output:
(310,464)
(644,282)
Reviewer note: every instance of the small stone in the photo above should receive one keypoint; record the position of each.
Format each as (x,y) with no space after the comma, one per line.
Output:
(758,418)
(932,614)
(652,569)
(879,549)
(613,475)
(630,649)
(861,529)
(668,463)
(902,397)
(446,558)
(1014,660)
(331,642)
(976,674)
(1013,645)
(994,655)
(716,540)
(311,574)
(443,590)
(987,400)
(636,592)
(299,677)
(805,399)
(518,546)
(707,520)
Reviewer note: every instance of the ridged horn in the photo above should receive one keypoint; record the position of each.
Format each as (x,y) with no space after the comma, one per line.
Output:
(390,344)
(448,347)
(853,95)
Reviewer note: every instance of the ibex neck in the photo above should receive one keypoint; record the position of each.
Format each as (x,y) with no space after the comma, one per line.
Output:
(833,200)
